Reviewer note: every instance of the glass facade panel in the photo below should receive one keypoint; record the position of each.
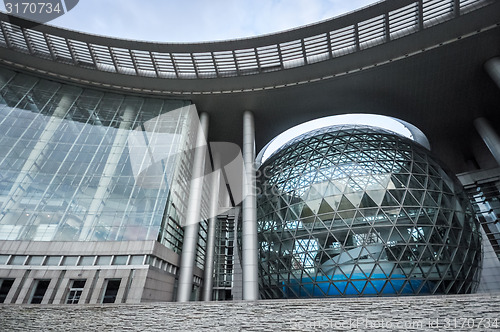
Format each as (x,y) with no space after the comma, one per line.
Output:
(4,259)
(17,260)
(103,260)
(86,260)
(52,260)
(70,260)
(120,260)
(78,164)
(356,211)
(136,260)
(35,260)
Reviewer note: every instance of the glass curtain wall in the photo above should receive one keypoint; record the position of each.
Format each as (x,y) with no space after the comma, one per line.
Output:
(78,164)
(356,211)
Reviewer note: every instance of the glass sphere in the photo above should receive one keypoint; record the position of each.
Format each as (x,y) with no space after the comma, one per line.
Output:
(362,211)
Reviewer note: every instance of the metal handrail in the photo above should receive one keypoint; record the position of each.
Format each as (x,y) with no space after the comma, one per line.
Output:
(374,25)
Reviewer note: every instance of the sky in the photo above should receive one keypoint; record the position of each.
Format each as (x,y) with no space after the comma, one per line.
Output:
(198,20)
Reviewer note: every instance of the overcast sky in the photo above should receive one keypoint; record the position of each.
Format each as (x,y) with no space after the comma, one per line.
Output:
(198,20)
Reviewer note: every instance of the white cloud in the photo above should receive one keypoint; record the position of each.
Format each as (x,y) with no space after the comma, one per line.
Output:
(198,20)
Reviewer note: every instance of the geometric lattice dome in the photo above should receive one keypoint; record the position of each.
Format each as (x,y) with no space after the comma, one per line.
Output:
(361,211)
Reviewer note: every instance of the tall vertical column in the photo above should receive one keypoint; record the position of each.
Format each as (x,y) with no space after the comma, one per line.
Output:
(193,214)
(208,278)
(489,136)
(249,213)
(119,143)
(492,66)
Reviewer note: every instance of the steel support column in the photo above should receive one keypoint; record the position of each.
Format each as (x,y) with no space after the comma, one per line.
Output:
(193,214)
(208,277)
(489,136)
(249,213)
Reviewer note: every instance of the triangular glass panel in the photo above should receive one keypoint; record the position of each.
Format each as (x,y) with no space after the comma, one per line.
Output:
(354,199)
(332,190)
(382,179)
(417,194)
(414,183)
(434,184)
(391,213)
(367,201)
(341,182)
(389,200)
(345,204)
(399,237)
(429,200)
(307,215)
(377,196)
(320,187)
(410,200)
(333,201)
(419,168)
(398,194)
(297,208)
(400,180)
(314,205)
(325,207)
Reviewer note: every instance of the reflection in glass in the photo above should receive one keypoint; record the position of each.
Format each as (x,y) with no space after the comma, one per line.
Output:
(78,164)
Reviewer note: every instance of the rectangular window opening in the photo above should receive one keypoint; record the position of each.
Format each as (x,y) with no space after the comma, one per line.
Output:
(75,291)
(5,286)
(39,291)
(112,286)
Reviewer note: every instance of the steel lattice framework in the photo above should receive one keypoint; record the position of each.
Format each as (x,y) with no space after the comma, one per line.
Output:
(355,211)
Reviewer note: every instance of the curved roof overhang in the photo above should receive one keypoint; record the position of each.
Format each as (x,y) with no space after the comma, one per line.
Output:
(431,76)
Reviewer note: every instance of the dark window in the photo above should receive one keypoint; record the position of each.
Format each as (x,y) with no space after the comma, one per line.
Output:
(40,289)
(5,286)
(112,287)
(75,291)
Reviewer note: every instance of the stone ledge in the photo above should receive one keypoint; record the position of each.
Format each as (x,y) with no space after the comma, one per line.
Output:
(419,313)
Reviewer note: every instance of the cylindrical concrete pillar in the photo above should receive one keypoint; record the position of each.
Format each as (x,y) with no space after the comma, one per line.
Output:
(190,241)
(249,213)
(212,225)
(492,66)
(489,136)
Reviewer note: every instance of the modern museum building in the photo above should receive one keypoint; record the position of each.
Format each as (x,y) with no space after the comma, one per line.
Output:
(134,171)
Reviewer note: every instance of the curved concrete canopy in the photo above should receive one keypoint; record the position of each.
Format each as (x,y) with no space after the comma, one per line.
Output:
(432,78)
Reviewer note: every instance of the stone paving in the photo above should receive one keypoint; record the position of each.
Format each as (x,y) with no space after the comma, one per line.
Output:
(479,312)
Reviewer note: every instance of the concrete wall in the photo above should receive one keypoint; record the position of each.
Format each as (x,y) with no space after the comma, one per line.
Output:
(151,279)
(158,287)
